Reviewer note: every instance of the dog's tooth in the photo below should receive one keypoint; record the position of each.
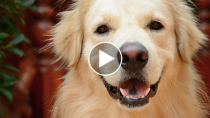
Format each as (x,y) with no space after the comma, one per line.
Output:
(121,90)
(135,98)
(139,96)
(131,97)
(127,105)
(142,96)
(148,90)
(127,97)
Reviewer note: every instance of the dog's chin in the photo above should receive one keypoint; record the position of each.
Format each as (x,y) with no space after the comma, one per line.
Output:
(132,93)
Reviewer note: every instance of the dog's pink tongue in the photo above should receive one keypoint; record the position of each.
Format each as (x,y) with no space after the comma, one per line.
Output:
(140,86)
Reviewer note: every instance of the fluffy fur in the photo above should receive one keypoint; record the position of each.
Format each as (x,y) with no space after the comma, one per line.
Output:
(82,93)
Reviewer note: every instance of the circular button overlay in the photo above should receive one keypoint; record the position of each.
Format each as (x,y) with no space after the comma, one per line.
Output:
(105,58)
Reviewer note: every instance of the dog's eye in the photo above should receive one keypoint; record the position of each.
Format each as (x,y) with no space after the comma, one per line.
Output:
(102,29)
(155,26)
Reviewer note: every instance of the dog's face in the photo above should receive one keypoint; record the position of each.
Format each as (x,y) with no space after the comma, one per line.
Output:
(145,35)
(152,35)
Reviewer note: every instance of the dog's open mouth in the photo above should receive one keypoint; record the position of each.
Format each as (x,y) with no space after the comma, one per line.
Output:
(133,92)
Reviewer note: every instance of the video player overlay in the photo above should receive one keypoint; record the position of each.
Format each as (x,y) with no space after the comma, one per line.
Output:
(103,58)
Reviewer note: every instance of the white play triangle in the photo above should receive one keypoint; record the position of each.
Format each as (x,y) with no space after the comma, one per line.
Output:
(104,58)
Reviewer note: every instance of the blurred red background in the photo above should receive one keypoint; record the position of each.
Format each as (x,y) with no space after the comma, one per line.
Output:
(39,78)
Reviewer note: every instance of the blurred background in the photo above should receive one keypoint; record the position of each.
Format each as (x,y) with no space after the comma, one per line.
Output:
(28,79)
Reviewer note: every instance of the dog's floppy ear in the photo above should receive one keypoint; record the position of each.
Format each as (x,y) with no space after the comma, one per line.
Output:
(68,36)
(189,37)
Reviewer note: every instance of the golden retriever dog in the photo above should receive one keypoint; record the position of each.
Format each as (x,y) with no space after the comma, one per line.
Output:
(157,38)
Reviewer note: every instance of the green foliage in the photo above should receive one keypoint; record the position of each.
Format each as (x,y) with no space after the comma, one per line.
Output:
(191,4)
(11,17)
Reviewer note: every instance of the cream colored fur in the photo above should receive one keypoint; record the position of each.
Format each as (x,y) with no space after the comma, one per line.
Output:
(83,95)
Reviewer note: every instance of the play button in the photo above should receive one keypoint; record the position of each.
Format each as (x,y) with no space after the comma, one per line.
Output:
(104,58)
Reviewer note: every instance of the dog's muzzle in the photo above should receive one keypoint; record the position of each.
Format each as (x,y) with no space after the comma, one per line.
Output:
(133,91)
(116,93)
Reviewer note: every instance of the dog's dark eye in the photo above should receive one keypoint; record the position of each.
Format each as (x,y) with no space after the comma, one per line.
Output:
(155,26)
(102,29)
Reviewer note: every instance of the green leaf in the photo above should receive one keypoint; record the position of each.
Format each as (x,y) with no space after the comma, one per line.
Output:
(3,35)
(2,112)
(2,54)
(5,7)
(17,1)
(13,30)
(26,2)
(16,13)
(34,8)
(2,43)
(5,76)
(22,20)
(8,76)
(18,38)
(8,66)
(7,83)
(26,40)
(10,6)
(5,20)
(16,51)
(6,93)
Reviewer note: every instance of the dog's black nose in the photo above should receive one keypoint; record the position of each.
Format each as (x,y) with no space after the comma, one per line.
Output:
(134,56)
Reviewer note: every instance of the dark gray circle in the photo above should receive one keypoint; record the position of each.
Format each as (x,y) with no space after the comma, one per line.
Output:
(109,68)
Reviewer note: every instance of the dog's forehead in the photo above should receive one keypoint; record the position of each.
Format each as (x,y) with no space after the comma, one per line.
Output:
(120,13)
(127,10)
(125,6)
